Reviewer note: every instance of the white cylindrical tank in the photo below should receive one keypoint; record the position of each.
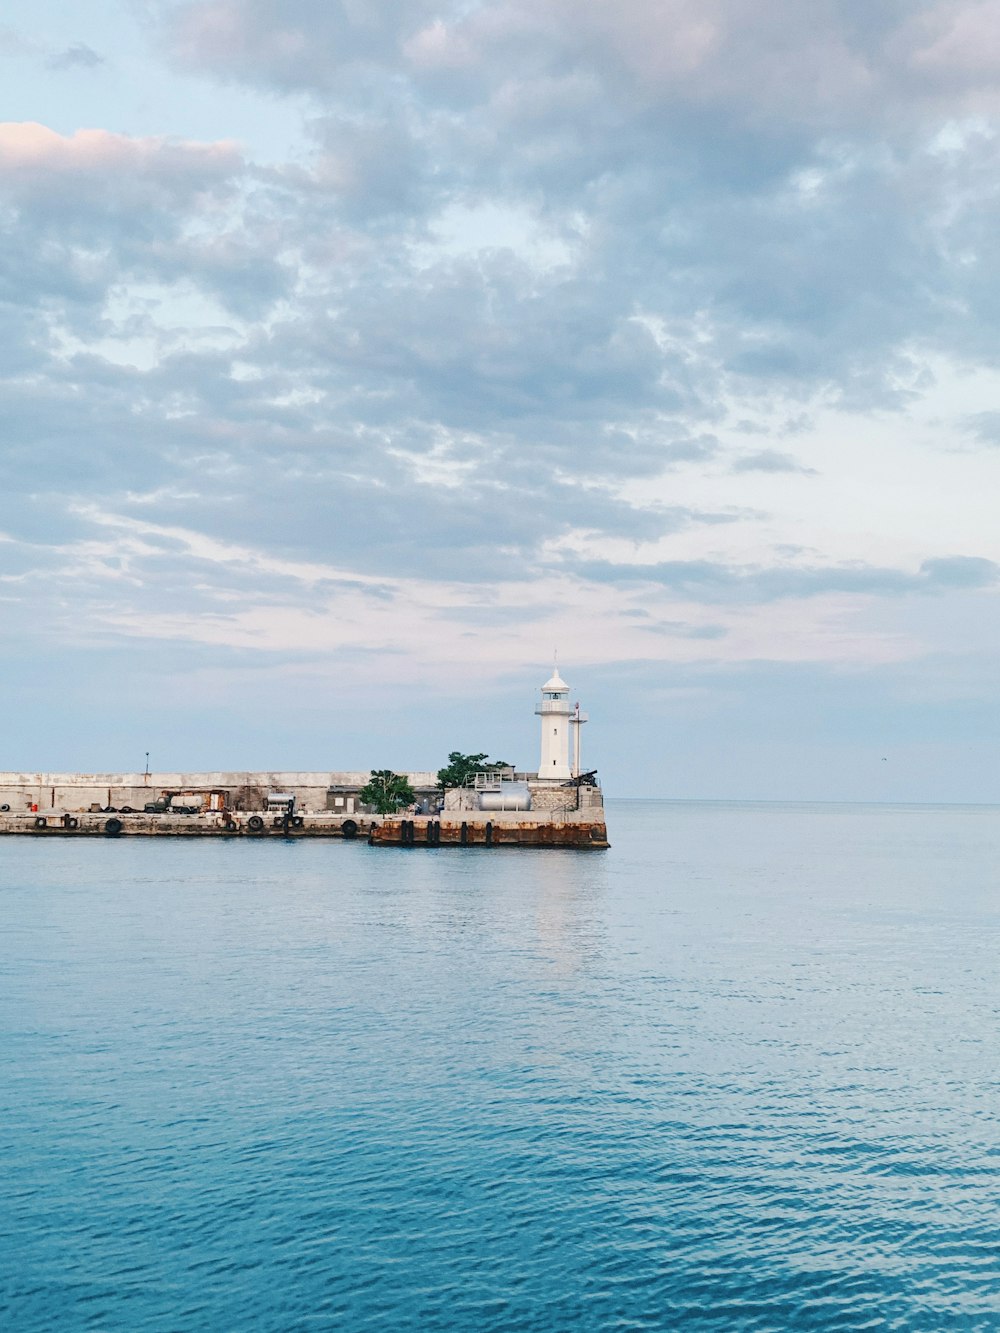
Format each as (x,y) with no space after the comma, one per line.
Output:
(506,796)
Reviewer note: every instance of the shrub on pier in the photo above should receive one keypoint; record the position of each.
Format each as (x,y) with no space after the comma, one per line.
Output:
(386,792)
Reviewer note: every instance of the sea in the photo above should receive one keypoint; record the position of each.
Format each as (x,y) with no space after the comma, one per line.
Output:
(740,1072)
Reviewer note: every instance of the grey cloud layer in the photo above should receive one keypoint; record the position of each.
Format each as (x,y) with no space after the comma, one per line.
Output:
(77,56)
(711,581)
(826,62)
(771,169)
(707,202)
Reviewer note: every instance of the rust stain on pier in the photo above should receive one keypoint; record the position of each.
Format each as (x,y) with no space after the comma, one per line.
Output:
(590,834)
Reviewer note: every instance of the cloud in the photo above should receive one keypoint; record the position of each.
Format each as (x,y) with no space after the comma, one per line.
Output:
(763,161)
(77,56)
(776,68)
(984,428)
(711,581)
(295,44)
(681,50)
(35,161)
(680,629)
(92,211)
(770,460)
(492,326)
(14,43)
(957,42)
(960,571)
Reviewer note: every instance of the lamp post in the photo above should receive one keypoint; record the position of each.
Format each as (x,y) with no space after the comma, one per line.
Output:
(576,722)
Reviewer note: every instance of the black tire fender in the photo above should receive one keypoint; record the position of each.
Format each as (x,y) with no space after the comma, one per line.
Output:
(255,823)
(113,826)
(41,821)
(4,808)
(297,821)
(349,828)
(127,810)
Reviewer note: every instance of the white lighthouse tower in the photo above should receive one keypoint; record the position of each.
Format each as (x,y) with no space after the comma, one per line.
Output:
(556,714)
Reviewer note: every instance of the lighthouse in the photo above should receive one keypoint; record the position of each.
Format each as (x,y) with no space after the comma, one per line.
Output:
(556,714)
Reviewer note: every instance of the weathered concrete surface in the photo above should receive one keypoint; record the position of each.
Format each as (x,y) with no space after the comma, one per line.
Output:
(555,798)
(74,824)
(500,829)
(78,791)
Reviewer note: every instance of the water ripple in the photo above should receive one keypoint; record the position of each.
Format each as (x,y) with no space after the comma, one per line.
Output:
(739,1074)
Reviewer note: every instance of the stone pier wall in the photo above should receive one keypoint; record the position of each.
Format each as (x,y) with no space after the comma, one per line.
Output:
(74,792)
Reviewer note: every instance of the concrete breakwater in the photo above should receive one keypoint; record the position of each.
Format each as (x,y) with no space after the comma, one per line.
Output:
(502,829)
(294,805)
(330,792)
(584,830)
(210,823)
(479,802)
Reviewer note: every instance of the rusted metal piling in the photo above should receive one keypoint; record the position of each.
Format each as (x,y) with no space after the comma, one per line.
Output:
(585,833)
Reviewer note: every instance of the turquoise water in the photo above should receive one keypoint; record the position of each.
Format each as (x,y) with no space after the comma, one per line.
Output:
(740,1072)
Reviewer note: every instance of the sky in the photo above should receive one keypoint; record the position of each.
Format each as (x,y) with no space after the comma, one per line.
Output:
(357,356)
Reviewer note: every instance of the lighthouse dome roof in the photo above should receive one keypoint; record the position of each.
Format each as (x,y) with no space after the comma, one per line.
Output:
(556,682)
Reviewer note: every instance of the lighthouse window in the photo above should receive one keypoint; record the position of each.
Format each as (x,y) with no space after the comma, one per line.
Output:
(555,731)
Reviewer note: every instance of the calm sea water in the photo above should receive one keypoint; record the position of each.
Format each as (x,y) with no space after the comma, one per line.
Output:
(740,1072)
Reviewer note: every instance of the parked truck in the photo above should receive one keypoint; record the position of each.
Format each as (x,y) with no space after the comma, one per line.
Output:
(174,803)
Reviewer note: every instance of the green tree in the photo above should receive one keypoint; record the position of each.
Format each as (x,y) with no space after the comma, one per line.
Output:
(386,791)
(461,766)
